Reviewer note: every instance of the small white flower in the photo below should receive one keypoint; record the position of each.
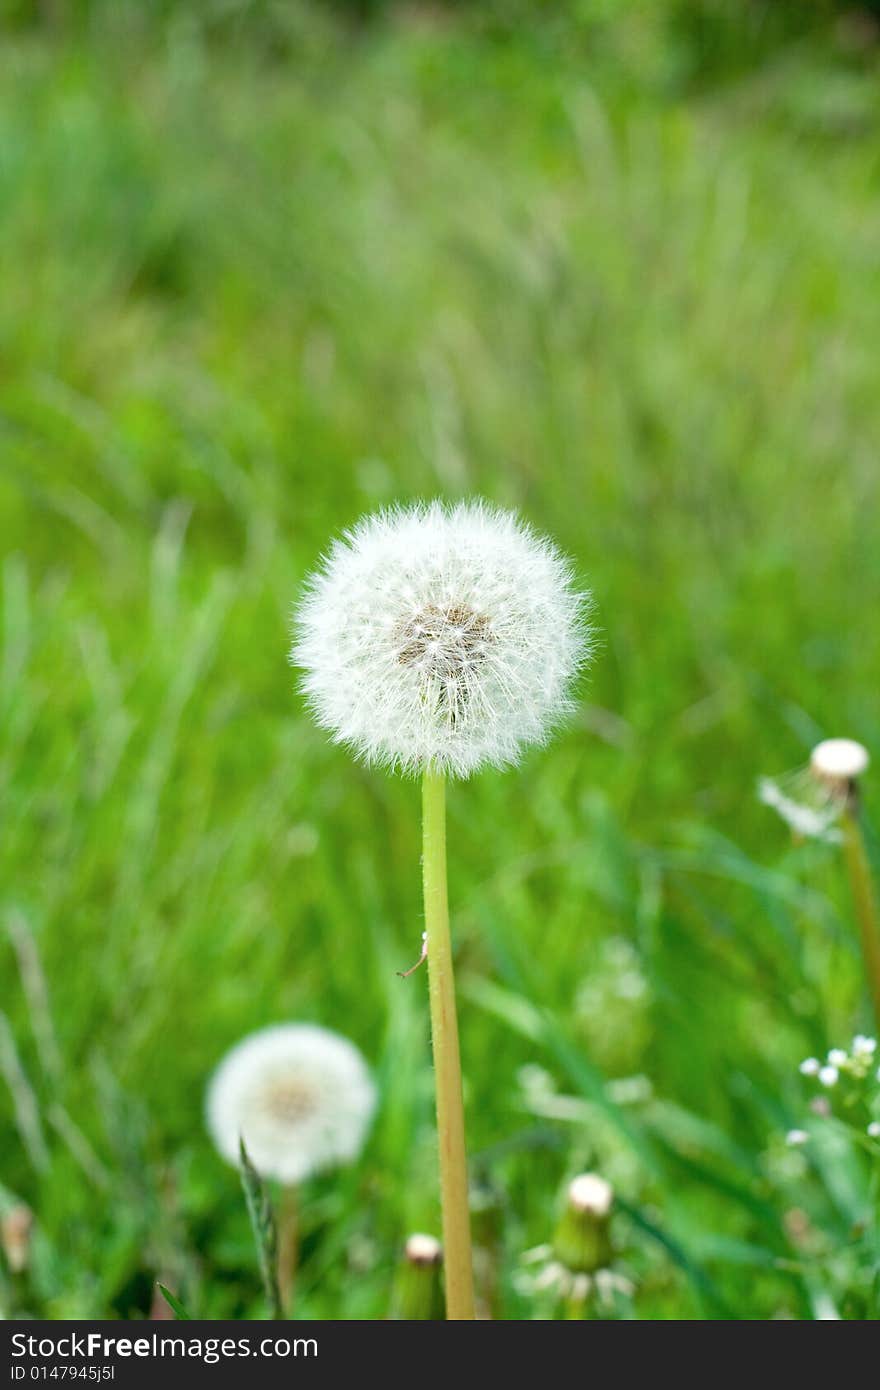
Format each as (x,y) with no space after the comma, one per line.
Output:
(837,1057)
(810,1066)
(829,1075)
(441,636)
(874,1129)
(796,1137)
(300,1096)
(863,1047)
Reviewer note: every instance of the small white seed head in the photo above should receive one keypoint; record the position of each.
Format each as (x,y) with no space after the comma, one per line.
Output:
(299,1096)
(839,759)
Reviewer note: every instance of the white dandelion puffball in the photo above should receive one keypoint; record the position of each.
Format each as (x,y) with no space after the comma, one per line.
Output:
(839,759)
(441,637)
(300,1096)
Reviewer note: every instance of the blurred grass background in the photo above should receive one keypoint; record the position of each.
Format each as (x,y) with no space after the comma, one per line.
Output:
(266,267)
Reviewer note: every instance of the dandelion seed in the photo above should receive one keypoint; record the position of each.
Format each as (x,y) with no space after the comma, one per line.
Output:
(300,1096)
(441,637)
(809,810)
(810,1066)
(829,1075)
(796,1137)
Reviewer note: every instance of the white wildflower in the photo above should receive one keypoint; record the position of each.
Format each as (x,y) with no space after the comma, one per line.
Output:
(796,1137)
(300,1096)
(837,1057)
(874,1129)
(810,1066)
(441,636)
(829,1075)
(863,1047)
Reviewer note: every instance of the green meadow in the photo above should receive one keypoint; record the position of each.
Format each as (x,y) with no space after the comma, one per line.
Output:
(619,275)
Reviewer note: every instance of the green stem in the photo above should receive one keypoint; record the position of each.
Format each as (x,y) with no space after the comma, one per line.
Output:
(288,1246)
(457,1256)
(865,902)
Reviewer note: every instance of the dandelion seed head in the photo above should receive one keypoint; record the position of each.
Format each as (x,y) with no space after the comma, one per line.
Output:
(300,1096)
(441,636)
(839,759)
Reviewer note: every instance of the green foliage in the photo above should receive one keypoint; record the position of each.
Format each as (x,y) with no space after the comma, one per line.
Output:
(174,1304)
(253,291)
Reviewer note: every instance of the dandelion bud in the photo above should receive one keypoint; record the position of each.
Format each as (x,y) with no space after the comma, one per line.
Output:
(582,1241)
(16,1228)
(418,1295)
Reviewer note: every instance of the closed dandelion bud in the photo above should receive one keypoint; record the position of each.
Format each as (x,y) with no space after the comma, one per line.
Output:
(16,1228)
(582,1242)
(418,1292)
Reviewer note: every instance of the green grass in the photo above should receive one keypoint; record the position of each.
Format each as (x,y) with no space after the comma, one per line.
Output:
(247,298)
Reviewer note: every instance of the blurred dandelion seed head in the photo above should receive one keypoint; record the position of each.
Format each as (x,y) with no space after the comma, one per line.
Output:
(839,759)
(441,636)
(810,799)
(300,1096)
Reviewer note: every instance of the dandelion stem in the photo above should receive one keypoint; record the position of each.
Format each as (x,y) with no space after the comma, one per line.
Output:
(864,900)
(447,1062)
(288,1245)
